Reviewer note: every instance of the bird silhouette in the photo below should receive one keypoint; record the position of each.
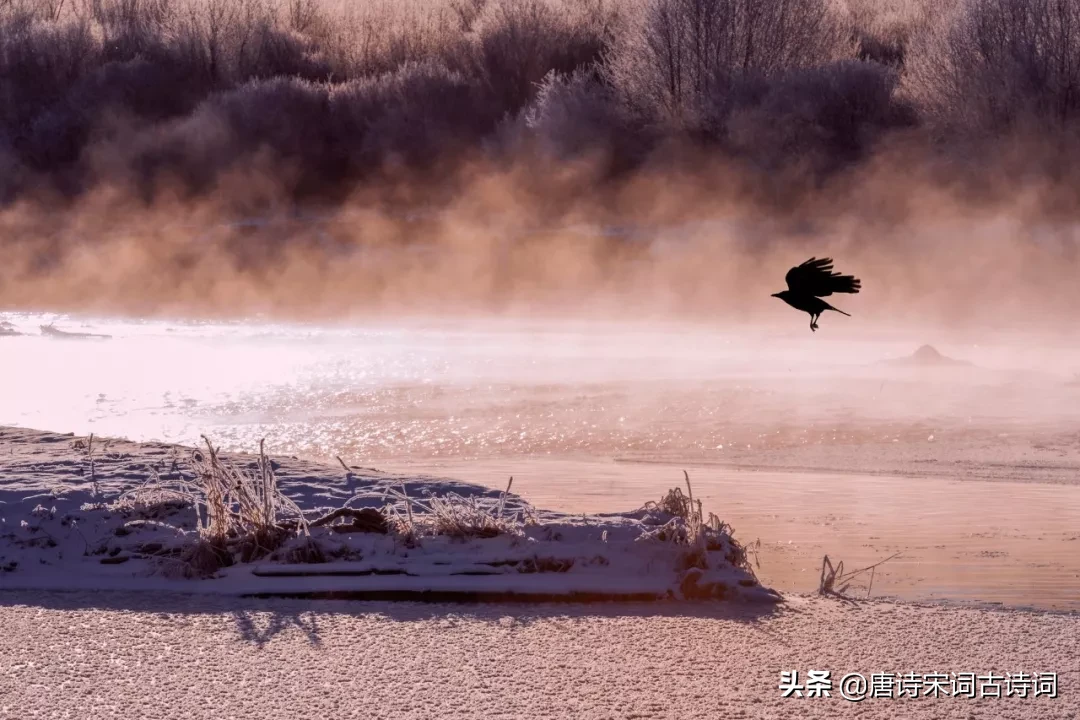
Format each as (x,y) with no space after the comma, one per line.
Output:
(813,280)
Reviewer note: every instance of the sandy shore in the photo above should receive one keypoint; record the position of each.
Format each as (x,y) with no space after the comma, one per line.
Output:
(103,655)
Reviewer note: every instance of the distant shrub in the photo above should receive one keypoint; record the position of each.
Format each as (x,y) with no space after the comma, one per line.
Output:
(276,52)
(829,114)
(575,114)
(682,55)
(883,29)
(412,115)
(282,118)
(377,36)
(997,65)
(318,135)
(314,96)
(39,63)
(515,43)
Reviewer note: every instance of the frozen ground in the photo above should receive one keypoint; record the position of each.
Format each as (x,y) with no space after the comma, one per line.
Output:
(151,655)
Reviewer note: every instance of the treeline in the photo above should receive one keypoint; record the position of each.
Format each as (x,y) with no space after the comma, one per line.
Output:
(322,97)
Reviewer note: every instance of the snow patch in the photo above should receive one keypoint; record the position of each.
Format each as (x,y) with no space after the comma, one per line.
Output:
(121,518)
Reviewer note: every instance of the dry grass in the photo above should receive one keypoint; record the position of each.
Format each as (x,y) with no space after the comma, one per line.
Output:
(151,501)
(240,515)
(837,583)
(156,498)
(452,515)
(688,526)
(237,503)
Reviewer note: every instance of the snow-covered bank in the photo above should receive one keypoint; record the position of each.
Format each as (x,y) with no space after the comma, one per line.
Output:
(81,513)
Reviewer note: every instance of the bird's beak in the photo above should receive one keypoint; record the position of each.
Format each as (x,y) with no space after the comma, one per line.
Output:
(775,295)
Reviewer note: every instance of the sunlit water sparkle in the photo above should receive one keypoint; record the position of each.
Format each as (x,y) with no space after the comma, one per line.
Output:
(555,403)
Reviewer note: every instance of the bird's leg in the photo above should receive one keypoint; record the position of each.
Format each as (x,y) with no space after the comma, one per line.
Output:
(813,323)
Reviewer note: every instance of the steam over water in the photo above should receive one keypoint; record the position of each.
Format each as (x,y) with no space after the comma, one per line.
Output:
(475,390)
(793,437)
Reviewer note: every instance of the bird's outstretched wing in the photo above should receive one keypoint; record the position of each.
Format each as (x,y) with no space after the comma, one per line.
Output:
(816,277)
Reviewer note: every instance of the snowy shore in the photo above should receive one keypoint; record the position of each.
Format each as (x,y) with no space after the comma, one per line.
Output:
(104,514)
(93,627)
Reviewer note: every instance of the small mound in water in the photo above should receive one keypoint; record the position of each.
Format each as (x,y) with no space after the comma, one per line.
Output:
(927,356)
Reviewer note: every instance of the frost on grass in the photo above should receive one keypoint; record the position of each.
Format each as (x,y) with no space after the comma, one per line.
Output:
(453,516)
(712,563)
(240,515)
(195,514)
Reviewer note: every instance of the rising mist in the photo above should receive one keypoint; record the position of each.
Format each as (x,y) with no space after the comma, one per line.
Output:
(667,158)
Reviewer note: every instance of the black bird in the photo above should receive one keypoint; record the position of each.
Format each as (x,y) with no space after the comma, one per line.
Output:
(813,280)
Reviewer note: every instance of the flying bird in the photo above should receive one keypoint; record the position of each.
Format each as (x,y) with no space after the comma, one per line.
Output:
(813,280)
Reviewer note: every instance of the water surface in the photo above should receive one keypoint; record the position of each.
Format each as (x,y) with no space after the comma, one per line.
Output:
(565,408)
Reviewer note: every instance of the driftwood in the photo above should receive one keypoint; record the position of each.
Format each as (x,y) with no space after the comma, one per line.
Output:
(53,331)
